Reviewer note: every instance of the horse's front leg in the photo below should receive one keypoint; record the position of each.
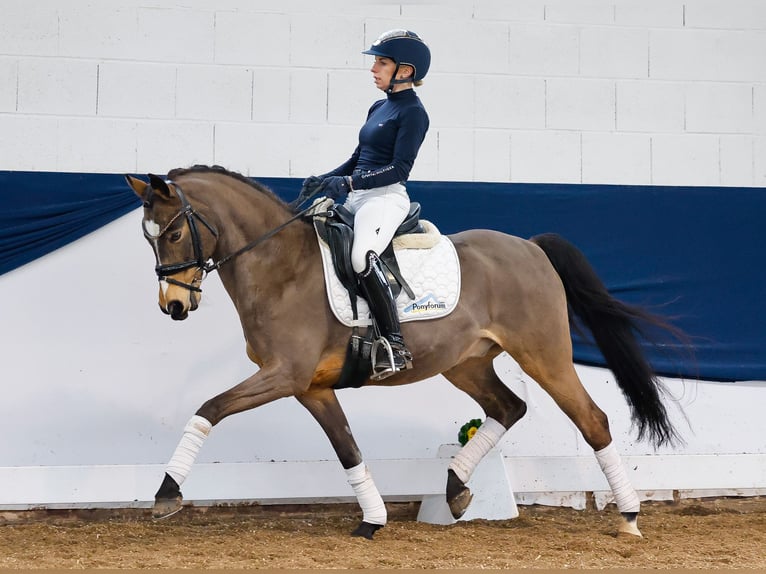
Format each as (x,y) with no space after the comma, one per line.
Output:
(324,406)
(263,387)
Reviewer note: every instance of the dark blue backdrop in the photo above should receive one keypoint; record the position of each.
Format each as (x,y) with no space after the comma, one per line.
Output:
(691,253)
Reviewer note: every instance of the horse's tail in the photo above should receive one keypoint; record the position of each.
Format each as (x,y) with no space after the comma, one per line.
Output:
(614,326)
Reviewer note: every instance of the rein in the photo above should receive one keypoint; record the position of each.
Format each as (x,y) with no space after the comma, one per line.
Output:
(199,260)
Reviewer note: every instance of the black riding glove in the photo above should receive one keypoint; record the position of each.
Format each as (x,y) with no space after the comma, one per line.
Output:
(336,187)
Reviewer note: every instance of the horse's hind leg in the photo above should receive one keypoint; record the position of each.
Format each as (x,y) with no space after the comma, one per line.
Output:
(324,405)
(503,408)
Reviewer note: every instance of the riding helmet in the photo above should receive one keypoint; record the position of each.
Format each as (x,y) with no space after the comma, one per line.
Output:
(404,48)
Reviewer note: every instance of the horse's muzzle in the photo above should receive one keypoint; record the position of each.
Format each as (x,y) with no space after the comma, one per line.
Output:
(177,311)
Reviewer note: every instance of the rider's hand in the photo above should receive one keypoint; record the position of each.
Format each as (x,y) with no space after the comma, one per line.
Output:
(310,185)
(336,186)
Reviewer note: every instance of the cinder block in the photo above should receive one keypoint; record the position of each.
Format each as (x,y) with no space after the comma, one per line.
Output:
(176,35)
(759,161)
(614,53)
(580,104)
(100,30)
(57,86)
(96,145)
(316,149)
(271,95)
(28,143)
(720,55)
(580,12)
(252,39)
(137,90)
(26,31)
(349,96)
(719,108)
(8,84)
(543,50)
(214,93)
(737,167)
(455,154)
(492,155)
(732,14)
(253,150)
(546,157)
(427,163)
(458,109)
(327,41)
(442,11)
(611,158)
(308,96)
(650,107)
(516,11)
(759,109)
(685,159)
(649,13)
(164,145)
(505,102)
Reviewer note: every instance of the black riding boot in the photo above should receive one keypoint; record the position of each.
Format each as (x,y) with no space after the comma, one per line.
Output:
(377,293)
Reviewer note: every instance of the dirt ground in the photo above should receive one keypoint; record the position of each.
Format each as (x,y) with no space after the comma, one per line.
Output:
(691,534)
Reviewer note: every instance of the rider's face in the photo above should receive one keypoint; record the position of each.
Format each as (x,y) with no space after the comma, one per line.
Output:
(382,72)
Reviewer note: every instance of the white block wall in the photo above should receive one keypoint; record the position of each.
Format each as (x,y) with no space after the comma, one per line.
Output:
(661,92)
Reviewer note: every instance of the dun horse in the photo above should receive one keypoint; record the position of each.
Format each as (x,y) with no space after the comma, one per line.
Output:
(515,296)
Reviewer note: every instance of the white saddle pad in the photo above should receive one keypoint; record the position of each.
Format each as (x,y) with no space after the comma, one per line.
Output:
(428,263)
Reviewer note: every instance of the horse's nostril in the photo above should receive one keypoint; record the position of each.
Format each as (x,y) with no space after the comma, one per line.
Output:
(176,310)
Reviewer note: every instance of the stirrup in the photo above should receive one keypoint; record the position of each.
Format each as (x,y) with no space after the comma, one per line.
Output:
(391,364)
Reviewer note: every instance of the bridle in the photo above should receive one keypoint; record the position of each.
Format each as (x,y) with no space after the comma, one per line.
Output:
(204,265)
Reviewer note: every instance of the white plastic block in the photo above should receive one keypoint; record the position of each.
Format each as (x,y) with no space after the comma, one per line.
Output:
(138,90)
(581,104)
(57,86)
(721,55)
(650,106)
(504,102)
(28,143)
(271,95)
(759,161)
(308,96)
(609,158)
(164,145)
(29,32)
(731,14)
(580,12)
(493,497)
(8,84)
(162,39)
(471,46)
(96,145)
(350,95)
(455,154)
(99,30)
(737,168)
(545,157)
(685,159)
(614,52)
(252,39)
(457,110)
(330,40)
(759,109)
(214,93)
(544,50)
(315,149)
(719,108)
(492,156)
(255,150)
(649,13)
(516,11)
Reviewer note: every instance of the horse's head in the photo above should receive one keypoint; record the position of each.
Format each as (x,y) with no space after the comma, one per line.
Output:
(182,241)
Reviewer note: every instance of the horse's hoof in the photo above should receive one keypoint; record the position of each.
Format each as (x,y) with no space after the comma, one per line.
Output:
(166,507)
(458,495)
(366,530)
(629,526)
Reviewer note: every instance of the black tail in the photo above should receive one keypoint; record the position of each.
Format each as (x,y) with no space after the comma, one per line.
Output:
(614,326)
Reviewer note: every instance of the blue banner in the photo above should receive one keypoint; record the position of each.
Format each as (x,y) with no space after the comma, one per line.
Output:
(692,254)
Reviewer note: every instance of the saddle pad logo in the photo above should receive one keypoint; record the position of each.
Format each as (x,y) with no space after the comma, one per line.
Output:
(426,304)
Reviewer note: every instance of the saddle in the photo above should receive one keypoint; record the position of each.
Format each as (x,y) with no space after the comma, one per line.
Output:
(337,230)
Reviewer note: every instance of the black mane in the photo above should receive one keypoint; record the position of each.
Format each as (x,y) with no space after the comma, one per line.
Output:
(180,171)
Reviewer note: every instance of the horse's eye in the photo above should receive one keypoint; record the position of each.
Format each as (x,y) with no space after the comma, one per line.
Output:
(175,237)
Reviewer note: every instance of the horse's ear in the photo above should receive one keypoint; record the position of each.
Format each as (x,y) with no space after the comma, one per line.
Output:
(139,186)
(159,185)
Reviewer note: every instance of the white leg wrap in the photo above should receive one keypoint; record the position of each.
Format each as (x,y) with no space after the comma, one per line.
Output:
(373,509)
(485,439)
(186,452)
(611,464)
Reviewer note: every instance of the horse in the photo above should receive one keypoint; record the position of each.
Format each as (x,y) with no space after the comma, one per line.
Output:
(518,296)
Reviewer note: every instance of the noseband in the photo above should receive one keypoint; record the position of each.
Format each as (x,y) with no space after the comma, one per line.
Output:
(199,260)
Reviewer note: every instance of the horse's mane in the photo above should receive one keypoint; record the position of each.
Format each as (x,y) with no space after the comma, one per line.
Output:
(178,172)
